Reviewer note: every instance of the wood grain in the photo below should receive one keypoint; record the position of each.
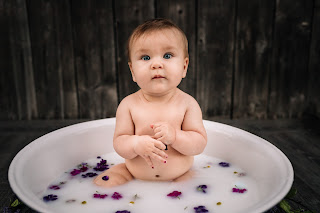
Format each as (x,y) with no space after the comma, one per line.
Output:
(215,43)
(93,37)
(252,58)
(289,72)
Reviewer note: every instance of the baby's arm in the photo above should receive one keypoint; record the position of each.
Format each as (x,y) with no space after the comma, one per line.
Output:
(191,139)
(128,145)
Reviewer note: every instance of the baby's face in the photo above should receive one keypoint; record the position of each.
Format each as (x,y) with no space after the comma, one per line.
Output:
(158,61)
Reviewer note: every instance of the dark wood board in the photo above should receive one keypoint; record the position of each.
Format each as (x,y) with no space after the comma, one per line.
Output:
(290,58)
(52,54)
(216,37)
(252,58)
(93,39)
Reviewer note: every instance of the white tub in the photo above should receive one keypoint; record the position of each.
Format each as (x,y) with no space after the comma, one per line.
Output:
(43,160)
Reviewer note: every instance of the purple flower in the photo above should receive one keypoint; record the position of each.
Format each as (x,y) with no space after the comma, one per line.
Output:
(116,196)
(105,178)
(101,196)
(200,209)
(101,166)
(174,194)
(89,174)
(123,211)
(224,164)
(54,187)
(50,197)
(98,157)
(202,188)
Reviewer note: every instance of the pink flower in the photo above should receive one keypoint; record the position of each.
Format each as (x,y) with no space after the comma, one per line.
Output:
(100,196)
(116,196)
(174,194)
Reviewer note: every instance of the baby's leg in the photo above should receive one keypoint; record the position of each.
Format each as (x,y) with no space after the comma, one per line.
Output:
(118,175)
(186,176)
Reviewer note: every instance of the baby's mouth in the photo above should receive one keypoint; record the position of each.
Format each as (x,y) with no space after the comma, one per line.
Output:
(157,77)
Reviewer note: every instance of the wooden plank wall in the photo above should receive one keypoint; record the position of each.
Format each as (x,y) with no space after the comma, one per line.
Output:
(248,58)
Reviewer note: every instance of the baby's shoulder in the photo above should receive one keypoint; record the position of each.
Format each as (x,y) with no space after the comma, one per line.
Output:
(129,100)
(186,99)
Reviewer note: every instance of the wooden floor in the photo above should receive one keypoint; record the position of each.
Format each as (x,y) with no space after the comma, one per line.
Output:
(299,139)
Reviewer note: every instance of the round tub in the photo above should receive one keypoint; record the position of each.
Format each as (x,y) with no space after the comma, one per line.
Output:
(43,160)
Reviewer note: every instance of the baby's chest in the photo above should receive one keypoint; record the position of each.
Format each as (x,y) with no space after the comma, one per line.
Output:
(144,117)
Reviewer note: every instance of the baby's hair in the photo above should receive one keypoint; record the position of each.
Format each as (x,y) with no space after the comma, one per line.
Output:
(154,25)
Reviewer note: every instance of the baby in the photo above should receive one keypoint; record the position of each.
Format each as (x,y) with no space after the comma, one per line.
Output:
(159,128)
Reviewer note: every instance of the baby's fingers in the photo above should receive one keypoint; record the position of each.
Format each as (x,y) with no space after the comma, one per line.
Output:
(148,160)
(159,145)
(158,157)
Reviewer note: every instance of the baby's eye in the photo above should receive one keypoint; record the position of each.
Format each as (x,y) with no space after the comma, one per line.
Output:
(145,57)
(167,56)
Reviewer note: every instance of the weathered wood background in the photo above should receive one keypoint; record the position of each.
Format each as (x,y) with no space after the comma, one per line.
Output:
(248,58)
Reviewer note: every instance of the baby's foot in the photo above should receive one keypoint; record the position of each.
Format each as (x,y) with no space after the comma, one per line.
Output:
(115,176)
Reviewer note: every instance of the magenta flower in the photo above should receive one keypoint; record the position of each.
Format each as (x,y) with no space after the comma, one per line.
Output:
(123,211)
(54,187)
(224,164)
(174,194)
(116,196)
(101,196)
(75,172)
(237,190)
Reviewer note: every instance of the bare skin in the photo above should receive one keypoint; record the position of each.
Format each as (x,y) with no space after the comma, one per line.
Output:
(159,115)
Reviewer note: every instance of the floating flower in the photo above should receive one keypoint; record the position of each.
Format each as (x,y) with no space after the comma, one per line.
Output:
(224,164)
(219,203)
(98,157)
(202,188)
(174,194)
(237,190)
(123,211)
(101,166)
(105,178)
(101,196)
(200,209)
(84,202)
(50,197)
(89,174)
(116,196)
(70,201)
(241,174)
(75,172)
(54,187)
(83,168)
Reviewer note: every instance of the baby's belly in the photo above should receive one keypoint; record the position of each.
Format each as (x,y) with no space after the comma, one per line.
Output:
(176,165)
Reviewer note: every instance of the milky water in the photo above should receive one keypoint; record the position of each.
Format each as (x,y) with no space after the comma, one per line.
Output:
(149,196)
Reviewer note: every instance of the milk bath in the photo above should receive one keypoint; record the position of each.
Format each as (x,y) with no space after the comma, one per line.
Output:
(76,194)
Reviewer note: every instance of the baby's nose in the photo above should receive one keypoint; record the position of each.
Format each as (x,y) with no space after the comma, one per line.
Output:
(157,64)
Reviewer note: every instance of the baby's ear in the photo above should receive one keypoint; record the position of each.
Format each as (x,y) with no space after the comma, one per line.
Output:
(185,67)
(132,73)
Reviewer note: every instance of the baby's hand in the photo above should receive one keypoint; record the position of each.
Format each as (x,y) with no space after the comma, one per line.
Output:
(150,149)
(164,132)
